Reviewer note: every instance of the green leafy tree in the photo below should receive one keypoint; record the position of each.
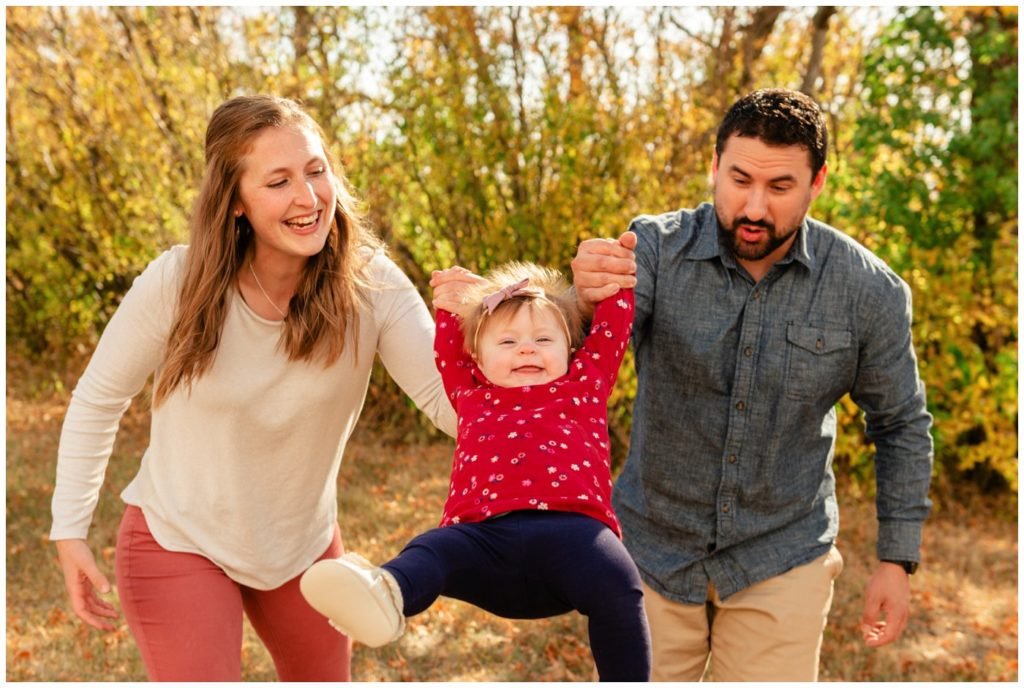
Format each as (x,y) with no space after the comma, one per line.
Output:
(936,140)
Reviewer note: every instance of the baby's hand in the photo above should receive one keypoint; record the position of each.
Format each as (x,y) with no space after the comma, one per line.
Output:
(449,286)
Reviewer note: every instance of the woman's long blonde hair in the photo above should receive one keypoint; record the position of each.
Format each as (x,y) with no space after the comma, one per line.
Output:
(328,294)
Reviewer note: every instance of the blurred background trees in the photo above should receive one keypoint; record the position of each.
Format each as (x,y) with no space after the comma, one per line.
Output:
(478,135)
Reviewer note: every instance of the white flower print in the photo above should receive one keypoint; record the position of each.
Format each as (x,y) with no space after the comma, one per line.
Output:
(543,506)
(513,435)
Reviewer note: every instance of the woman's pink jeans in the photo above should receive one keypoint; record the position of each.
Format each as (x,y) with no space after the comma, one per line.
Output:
(186,615)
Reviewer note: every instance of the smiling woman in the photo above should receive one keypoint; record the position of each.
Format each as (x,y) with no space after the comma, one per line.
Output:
(261,333)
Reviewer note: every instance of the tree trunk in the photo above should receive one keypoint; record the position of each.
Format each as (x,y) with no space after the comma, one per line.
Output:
(756,35)
(819,34)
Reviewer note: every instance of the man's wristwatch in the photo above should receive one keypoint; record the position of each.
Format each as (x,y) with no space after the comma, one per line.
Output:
(909,566)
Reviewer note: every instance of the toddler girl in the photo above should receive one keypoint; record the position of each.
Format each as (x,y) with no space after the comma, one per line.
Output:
(528,529)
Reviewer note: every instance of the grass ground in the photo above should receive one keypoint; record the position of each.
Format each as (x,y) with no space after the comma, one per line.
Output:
(964,624)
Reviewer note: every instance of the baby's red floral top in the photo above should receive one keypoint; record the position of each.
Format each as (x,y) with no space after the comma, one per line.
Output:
(537,447)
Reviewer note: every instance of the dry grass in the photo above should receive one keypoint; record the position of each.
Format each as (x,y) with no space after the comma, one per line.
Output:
(965,597)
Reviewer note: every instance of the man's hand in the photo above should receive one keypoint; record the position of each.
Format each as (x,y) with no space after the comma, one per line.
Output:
(602,267)
(888,594)
(449,286)
(83,579)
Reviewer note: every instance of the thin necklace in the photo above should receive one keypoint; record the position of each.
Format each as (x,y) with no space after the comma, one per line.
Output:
(265,294)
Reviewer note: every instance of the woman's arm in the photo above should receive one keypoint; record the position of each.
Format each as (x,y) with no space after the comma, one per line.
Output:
(130,348)
(405,345)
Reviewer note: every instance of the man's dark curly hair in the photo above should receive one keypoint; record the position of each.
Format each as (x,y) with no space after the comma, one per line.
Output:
(778,117)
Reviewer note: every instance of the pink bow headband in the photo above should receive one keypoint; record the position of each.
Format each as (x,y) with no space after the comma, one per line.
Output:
(492,301)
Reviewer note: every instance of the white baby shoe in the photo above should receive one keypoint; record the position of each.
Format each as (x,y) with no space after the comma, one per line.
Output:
(359,599)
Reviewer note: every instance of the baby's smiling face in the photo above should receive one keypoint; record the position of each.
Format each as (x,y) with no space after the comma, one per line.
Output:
(528,346)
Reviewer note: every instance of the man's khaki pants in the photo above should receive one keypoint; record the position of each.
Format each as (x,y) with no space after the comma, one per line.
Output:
(770,631)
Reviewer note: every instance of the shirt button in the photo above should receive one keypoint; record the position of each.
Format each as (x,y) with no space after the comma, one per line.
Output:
(732,458)
(749,351)
(757,295)
(725,508)
(819,345)
(740,406)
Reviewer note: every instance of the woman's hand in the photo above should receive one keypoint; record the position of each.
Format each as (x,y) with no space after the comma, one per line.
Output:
(83,579)
(449,286)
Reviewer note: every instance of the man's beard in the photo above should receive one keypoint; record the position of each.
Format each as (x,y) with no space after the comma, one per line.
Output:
(745,250)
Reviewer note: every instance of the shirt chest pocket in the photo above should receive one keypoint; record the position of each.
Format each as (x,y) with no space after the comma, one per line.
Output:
(821,364)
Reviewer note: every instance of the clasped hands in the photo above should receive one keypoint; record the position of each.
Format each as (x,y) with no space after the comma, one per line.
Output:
(601,267)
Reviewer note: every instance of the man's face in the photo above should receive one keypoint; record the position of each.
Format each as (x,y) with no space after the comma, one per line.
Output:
(762,194)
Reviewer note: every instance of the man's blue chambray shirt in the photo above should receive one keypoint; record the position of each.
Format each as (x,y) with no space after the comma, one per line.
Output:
(729,474)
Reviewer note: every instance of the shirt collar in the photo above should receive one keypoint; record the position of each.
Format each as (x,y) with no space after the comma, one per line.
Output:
(707,245)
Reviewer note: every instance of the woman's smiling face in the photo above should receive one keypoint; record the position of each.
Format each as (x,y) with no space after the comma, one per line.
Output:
(287,193)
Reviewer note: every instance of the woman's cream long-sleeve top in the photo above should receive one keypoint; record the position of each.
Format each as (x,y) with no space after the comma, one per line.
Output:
(242,469)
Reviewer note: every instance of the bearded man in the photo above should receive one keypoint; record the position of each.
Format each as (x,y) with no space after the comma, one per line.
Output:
(752,322)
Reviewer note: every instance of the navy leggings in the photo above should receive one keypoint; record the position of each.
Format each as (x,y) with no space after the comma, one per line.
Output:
(536,564)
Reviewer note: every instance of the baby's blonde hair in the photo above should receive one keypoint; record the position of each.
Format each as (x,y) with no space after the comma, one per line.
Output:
(546,288)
